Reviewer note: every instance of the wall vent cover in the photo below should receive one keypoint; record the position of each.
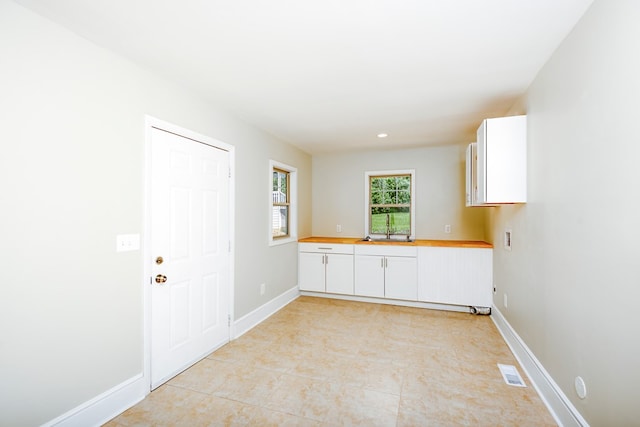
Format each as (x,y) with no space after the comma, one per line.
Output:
(511,375)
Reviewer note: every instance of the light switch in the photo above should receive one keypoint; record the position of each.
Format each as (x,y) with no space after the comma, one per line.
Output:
(127,242)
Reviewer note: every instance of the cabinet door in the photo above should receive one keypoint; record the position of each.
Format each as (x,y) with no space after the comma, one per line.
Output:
(471,175)
(339,274)
(437,271)
(401,278)
(369,276)
(502,160)
(481,163)
(311,271)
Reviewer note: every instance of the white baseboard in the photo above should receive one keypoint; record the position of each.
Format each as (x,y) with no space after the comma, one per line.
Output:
(553,397)
(109,404)
(105,406)
(403,303)
(250,320)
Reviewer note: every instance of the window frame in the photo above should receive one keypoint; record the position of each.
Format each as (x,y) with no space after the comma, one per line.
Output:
(367,201)
(292,189)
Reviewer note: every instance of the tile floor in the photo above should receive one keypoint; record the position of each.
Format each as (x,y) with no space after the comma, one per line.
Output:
(324,362)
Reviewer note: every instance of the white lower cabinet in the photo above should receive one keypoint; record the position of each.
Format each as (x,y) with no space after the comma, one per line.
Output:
(441,275)
(386,272)
(325,268)
(457,276)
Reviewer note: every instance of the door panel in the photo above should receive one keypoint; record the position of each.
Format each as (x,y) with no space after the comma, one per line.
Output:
(210,294)
(190,230)
(210,222)
(179,223)
(180,309)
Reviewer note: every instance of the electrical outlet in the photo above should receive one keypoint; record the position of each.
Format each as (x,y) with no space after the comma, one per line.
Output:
(505,301)
(338,228)
(447,228)
(262,288)
(581,387)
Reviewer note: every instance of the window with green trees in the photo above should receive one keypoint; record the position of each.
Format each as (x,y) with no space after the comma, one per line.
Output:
(390,204)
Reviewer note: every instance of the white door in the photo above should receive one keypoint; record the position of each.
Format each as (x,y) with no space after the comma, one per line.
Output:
(190,294)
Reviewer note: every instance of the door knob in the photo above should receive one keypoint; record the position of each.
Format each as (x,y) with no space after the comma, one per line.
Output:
(159,260)
(160,278)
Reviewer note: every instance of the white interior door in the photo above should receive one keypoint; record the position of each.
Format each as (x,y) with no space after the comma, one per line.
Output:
(190,296)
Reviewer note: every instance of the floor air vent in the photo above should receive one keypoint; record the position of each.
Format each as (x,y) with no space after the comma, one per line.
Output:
(511,375)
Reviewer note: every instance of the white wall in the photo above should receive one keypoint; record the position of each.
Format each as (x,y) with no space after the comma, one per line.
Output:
(573,276)
(256,262)
(71,177)
(338,191)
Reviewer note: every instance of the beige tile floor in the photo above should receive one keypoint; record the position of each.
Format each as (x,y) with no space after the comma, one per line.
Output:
(324,362)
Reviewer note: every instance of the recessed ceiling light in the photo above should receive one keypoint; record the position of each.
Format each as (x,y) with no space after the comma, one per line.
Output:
(382,135)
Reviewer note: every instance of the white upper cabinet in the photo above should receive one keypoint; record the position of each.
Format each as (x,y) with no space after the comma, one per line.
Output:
(497,171)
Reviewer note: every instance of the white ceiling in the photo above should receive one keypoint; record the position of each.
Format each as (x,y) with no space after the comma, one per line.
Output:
(330,75)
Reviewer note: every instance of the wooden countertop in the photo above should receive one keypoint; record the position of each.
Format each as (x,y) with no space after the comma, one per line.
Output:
(419,242)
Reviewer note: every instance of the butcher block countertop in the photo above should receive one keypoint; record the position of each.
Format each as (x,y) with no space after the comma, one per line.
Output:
(420,242)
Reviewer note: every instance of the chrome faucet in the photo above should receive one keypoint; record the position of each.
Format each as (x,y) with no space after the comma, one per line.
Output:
(388,229)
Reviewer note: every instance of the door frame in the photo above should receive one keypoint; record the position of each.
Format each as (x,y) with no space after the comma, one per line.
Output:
(150,123)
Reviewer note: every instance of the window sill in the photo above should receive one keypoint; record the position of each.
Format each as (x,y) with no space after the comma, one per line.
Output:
(284,241)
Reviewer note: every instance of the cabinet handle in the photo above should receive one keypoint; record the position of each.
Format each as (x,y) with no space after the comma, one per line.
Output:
(325,249)
(323,259)
(327,258)
(382,262)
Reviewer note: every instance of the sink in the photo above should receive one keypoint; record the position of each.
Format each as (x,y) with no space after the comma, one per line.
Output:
(370,239)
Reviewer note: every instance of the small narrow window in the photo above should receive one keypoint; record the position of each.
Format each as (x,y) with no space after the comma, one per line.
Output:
(280,206)
(282,203)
